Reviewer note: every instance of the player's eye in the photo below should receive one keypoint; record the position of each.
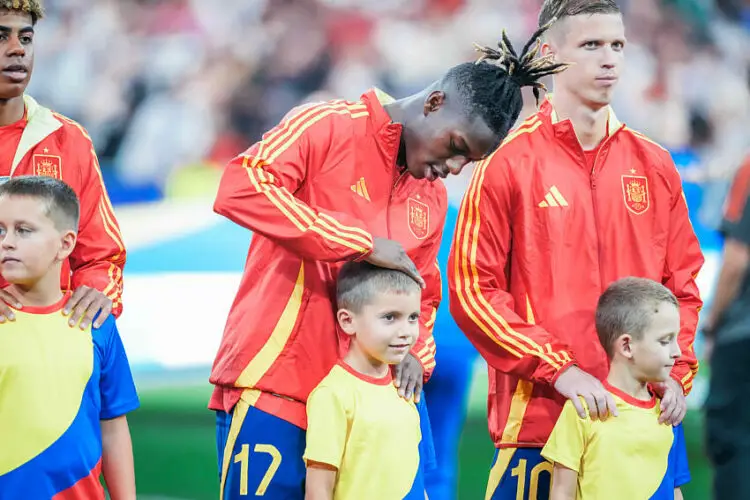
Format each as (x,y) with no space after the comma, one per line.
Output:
(26,39)
(618,46)
(591,44)
(23,230)
(414,317)
(389,317)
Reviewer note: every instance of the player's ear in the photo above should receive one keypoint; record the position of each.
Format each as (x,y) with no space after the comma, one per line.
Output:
(434,101)
(547,48)
(68,241)
(346,321)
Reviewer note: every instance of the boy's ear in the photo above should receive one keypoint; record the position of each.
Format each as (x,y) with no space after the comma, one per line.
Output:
(624,346)
(346,321)
(67,244)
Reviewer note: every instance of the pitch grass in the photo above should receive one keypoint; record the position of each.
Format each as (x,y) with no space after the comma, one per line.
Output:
(174,444)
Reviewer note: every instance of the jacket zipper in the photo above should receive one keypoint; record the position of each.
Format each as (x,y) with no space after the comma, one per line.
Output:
(388,208)
(595,210)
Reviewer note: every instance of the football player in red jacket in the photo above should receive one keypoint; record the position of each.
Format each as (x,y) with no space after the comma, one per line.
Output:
(572,201)
(36,141)
(334,182)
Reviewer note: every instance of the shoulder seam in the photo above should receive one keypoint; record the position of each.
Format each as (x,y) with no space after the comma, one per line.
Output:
(529,126)
(340,106)
(644,138)
(68,121)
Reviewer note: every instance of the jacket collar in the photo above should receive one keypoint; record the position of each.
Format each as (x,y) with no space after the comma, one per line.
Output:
(547,110)
(387,133)
(41,123)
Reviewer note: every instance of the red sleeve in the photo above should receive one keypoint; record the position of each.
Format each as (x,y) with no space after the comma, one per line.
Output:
(424,349)
(99,256)
(684,261)
(258,188)
(479,298)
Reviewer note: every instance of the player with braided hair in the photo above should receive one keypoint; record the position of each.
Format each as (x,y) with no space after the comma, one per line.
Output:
(335,182)
(572,201)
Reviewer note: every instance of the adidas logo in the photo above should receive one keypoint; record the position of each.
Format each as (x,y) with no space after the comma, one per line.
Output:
(361,189)
(554,198)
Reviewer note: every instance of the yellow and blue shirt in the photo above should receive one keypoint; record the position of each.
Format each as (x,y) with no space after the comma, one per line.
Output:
(628,457)
(56,384)
(361,426)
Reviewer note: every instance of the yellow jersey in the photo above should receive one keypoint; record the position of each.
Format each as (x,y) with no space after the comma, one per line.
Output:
(628,457)
(361,426)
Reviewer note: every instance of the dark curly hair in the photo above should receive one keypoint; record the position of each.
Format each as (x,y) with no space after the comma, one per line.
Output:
(491,87)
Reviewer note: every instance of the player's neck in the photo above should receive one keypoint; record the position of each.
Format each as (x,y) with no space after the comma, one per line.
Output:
(363,363)
(399,112)
(620,377)
(41,293)
(11,110)
(589,123)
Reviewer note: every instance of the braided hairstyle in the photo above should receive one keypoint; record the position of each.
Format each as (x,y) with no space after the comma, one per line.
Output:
(32,7)
(491,87)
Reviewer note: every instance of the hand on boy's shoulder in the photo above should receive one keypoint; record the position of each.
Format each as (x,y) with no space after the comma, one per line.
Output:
(7,301)
(85,304)
(409,378)
(574,383)
(673,403)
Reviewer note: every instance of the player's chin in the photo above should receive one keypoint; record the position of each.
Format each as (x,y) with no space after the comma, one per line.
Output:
(9,90)
(416,170)
(603,96)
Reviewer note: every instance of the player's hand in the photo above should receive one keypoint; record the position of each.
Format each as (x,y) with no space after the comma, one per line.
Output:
(574,382)
(391,255)
(673,402)
(6,301)
(86,303)
(409,378)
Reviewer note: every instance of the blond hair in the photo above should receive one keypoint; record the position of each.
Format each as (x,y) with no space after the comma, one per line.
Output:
(32,7)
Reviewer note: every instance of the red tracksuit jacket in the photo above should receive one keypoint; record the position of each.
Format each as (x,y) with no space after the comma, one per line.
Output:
(315,191)
(540,235)
(53,145)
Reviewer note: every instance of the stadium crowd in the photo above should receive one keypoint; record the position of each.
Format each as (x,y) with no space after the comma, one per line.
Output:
(161,84)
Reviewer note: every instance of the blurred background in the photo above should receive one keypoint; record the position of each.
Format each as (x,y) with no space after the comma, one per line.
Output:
(170,90)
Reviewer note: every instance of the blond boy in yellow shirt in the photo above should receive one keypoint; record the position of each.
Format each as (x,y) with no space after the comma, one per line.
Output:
(362,437)
(631,456)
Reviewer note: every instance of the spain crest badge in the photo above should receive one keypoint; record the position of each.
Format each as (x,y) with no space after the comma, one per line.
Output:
(635,193)
(48,166)
(418,214)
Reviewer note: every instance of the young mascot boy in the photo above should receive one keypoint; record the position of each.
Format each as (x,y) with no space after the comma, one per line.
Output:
(64,392)
(633,455)
(362,438)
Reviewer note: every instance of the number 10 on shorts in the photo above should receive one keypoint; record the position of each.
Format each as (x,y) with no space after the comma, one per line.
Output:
(522,474)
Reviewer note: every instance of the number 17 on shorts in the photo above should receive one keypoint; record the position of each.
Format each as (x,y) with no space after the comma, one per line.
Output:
(260,455)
